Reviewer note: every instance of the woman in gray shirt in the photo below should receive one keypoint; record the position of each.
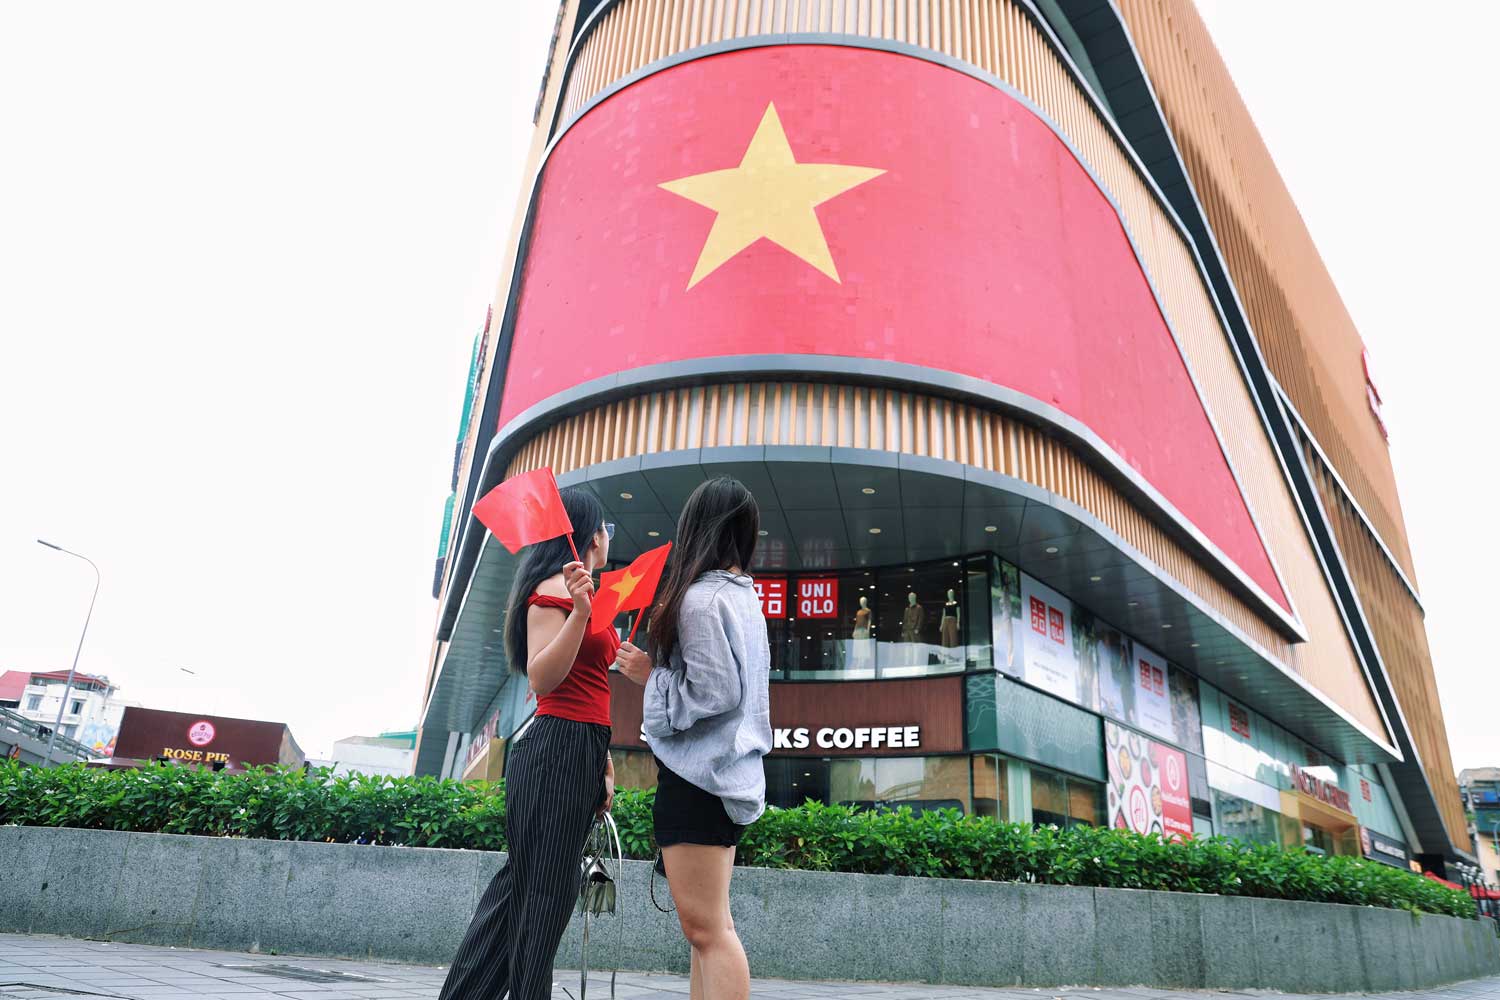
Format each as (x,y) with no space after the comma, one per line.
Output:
(706,717)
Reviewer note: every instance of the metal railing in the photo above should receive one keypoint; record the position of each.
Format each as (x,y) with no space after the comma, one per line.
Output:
(15,724)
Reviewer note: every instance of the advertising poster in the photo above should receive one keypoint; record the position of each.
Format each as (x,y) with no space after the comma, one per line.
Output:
(1047,640)
(1116,677)
(1153,705)
(1005,600)
(1187,719)
(1148,785)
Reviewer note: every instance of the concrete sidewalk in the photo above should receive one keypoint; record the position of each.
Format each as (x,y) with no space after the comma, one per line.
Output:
(42,967)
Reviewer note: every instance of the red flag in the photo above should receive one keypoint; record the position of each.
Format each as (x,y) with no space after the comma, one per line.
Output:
(524,510)
(628,589)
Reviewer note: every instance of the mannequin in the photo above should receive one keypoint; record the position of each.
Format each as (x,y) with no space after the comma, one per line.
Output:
(912,620)
(948,624)
(862,619)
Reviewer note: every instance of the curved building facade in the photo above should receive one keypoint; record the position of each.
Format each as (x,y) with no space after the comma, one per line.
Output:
(1051,530)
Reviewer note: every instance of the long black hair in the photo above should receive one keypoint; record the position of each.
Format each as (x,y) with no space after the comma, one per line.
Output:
(546,559)
(719,527)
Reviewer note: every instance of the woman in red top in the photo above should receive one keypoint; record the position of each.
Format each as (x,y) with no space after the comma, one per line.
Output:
(558,774)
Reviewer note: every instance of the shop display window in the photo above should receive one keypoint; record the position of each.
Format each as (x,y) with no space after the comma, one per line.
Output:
(919,783)
(1063,800)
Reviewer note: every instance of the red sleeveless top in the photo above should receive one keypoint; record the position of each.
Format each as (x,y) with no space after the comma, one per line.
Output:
(583,695)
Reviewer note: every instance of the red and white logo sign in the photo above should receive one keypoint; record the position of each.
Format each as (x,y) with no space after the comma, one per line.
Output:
(201,733)
(1047,620)
(772,594)
(818,598)
(1173,771)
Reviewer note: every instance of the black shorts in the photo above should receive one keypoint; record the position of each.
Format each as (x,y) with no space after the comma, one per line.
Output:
(686,814)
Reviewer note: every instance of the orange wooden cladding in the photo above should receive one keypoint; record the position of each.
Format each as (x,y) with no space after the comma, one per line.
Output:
(998,36)
(1311,344)
(1401,634)
(1299,320)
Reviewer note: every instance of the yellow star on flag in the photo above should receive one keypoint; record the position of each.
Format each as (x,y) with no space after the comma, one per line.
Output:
(768,195)
(626,585)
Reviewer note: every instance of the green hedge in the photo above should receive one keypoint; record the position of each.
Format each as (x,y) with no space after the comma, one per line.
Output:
(284,804)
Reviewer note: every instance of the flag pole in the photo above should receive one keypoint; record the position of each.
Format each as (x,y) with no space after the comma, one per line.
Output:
(638,615)
(573,547)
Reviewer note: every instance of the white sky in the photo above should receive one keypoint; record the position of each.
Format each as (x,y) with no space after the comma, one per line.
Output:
(243,257)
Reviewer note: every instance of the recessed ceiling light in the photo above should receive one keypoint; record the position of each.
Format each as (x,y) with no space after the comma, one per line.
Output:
(1221,662)
(1095,579)
(627,496)
(868,491)
(874,531)
(1132,604)
(1051,550)
(1193,644)
(991,528)
(1166,624)
(764,532)
(955,564)
(653,534)
(807,774)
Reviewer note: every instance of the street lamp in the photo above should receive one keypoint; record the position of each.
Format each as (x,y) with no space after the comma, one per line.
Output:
(68,687)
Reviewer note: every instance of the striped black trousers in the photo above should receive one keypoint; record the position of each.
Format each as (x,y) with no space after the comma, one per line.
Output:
(554,781)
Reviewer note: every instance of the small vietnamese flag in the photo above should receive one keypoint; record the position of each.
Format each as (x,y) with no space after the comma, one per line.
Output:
(524,510)
(628,589)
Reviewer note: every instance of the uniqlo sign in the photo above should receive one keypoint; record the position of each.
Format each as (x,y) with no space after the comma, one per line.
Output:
(818,598)
(1047,620)
(772,594)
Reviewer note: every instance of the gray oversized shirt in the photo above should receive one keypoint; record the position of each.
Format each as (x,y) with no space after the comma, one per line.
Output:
(707,713)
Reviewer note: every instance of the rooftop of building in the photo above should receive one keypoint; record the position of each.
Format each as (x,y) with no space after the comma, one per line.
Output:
(1469,775)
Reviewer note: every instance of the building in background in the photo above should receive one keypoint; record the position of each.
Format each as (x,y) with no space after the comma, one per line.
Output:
(1076,500)
(388,753)
(92,715)
(217,742)
(1480,788)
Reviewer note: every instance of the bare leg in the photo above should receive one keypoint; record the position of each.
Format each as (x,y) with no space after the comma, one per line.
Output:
(695,978)
(700,887)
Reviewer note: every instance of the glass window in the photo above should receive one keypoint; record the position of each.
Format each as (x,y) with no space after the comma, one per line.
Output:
(1063,800)
(989,786)
(634,768)
(919,783)
(919,620)
(1244,820)
(33,703)
(77,707)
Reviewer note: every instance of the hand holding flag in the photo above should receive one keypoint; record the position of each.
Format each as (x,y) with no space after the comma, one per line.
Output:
(628,589)
(524,510)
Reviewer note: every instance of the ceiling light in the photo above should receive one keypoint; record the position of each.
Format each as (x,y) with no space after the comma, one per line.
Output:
(653,534)
(1166,624)
(991,528)
(1193,644)
(1132,603)
(1051,550)
(874,531)
(627,496)
(764,532)
(1095,579)
(868,491)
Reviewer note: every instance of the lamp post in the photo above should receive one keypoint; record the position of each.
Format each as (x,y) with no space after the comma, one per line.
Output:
(68,687)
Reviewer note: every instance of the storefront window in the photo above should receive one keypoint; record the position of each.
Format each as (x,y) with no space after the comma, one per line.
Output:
(634,768)
(989,786)
(1241,819)
(901,621)
(919,783)
(1063,800)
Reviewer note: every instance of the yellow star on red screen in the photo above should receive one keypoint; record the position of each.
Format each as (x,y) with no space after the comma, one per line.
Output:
(769,195)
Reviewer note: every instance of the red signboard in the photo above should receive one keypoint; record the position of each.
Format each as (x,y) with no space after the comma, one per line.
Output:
(772,594)
(818,597)
(1148,785)
(1239,721)
(1364,790)
(901,189)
